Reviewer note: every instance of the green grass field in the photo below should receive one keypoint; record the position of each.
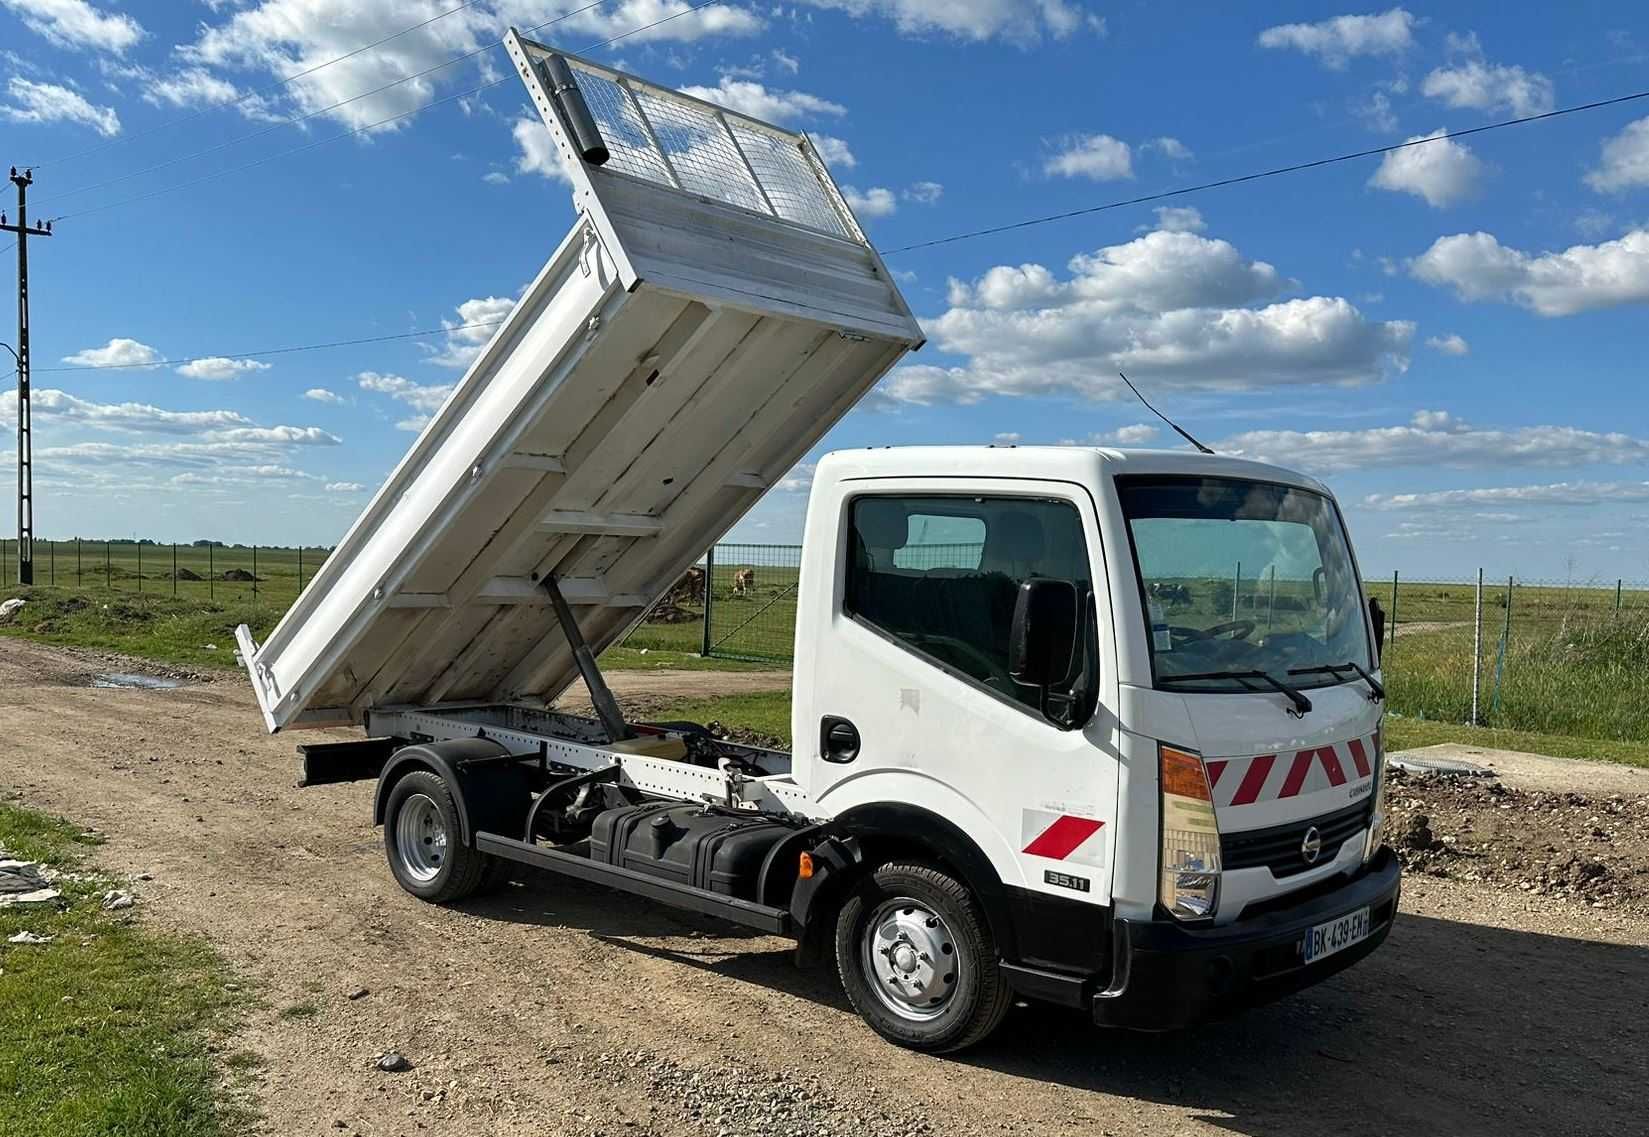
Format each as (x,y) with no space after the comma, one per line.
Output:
(111,1028)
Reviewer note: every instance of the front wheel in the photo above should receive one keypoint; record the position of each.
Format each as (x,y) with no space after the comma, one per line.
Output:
(917,959)
(424,843)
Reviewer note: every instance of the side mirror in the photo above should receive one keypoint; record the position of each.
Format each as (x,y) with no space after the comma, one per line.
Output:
(1042,638)
(1377,615)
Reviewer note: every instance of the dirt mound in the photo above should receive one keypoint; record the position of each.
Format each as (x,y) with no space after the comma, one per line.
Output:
(671,614)
(1588,849)
(240,576)
(183,574)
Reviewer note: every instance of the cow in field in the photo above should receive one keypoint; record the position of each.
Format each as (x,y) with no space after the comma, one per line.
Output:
(744,582)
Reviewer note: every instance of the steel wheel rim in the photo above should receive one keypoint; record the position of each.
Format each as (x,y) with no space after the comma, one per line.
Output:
(911,959)
(420,838)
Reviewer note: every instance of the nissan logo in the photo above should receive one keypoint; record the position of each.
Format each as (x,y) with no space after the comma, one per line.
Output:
(1312,847)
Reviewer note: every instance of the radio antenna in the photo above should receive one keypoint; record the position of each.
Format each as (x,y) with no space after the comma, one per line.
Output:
(1177,428)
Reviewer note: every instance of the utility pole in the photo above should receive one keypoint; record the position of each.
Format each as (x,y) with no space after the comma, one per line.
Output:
(25,426)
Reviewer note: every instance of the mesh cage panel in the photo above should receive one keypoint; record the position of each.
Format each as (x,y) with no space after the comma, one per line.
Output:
(657,136)
(792,186)
(628,146)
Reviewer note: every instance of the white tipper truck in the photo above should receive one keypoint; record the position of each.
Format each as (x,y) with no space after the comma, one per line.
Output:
(1092,727)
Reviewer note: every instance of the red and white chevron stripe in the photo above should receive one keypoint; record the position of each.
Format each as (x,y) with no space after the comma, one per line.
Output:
(1272,777)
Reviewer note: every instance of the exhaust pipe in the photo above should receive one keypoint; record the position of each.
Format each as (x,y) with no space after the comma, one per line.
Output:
(575,111)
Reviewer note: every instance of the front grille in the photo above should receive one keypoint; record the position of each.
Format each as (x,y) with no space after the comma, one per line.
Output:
(1278,848)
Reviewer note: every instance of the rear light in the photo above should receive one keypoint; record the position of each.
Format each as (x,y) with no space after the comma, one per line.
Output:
(1190,856)
(1377,817)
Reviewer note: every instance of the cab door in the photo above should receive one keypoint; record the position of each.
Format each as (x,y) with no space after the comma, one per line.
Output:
(905,696)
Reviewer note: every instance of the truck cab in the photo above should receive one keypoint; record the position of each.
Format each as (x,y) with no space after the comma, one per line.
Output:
(1136,693)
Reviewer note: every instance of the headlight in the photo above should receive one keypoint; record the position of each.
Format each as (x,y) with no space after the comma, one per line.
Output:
(1377,818)
(1190,856)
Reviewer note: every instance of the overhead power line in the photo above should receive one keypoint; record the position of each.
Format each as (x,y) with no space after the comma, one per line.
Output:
(254,93)
(1140,200)
(269,351)
(1297,167)
(371,125)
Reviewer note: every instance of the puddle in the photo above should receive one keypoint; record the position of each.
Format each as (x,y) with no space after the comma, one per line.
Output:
(134,679)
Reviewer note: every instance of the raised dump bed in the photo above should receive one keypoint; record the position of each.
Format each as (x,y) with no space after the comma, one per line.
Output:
(713,311)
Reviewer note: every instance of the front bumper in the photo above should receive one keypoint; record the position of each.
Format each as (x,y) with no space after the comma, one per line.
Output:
(1167,975)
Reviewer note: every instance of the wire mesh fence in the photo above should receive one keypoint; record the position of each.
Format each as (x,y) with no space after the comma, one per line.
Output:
(1559,657)
(270,574)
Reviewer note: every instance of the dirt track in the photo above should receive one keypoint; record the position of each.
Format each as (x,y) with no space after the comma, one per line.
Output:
(562,1009)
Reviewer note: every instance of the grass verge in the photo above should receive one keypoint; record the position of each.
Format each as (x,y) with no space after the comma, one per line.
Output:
(111,1027)
(767,713)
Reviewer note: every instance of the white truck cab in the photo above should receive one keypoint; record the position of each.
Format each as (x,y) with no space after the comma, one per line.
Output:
(1092,727)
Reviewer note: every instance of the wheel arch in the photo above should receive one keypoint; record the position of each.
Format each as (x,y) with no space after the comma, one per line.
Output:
(493,797)
(877,833)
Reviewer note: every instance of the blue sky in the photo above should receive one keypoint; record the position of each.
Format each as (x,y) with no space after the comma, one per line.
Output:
(1452,337)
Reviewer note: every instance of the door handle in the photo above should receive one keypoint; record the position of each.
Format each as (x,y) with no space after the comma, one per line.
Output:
(838,739)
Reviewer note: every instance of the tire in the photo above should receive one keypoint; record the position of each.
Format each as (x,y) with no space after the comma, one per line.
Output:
(917,960)
(422,842)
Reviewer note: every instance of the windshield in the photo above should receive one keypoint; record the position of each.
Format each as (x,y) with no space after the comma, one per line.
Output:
(1242,576)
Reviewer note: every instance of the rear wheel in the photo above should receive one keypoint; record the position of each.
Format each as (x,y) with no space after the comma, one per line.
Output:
(424,843)
(917,959)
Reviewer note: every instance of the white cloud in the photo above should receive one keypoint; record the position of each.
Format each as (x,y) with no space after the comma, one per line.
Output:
(77,24)
(1442,172)
(785,61)
(1008,438)
(1451,344)
(192,86)
(758,101)
(1169,148)
(48,102)
(1554,493)
(1180,219)
(425,399)
(1180,310)
(277,435)
(1625,163)
(1433,439)
(495,178)
(1578,279)
(1336,40)
(1022,22)
(1098,157)
(1376,112)
(536,150)
(118,352)
(924,193)
(218,367)
(477,320)
(1470,82)
(133,417)
(799,479)
(1138,434)
(322,395)
(877,201)
(275,39)
(834,151)
(344,487)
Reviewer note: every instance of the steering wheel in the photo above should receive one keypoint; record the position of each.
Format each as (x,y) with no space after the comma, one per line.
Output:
(1236,629)
(959,650)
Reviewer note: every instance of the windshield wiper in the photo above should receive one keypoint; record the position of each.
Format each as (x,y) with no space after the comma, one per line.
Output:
(1302,705)
(1377,692)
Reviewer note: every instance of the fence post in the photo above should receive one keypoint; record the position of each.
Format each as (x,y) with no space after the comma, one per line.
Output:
(211,571)
(1618,583)
(254,571)
(1392,640)
(709,591)
(108,568)
(1236,589)
(300,568)
(79,581)
(5,570)
(1271,608)
(174,568)
(51,556)
(1477,648)
(140,566)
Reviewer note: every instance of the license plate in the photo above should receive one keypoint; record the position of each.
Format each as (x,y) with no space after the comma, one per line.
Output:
(1336,935)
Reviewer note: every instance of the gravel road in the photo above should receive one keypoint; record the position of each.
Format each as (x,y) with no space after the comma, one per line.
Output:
(556,1008)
